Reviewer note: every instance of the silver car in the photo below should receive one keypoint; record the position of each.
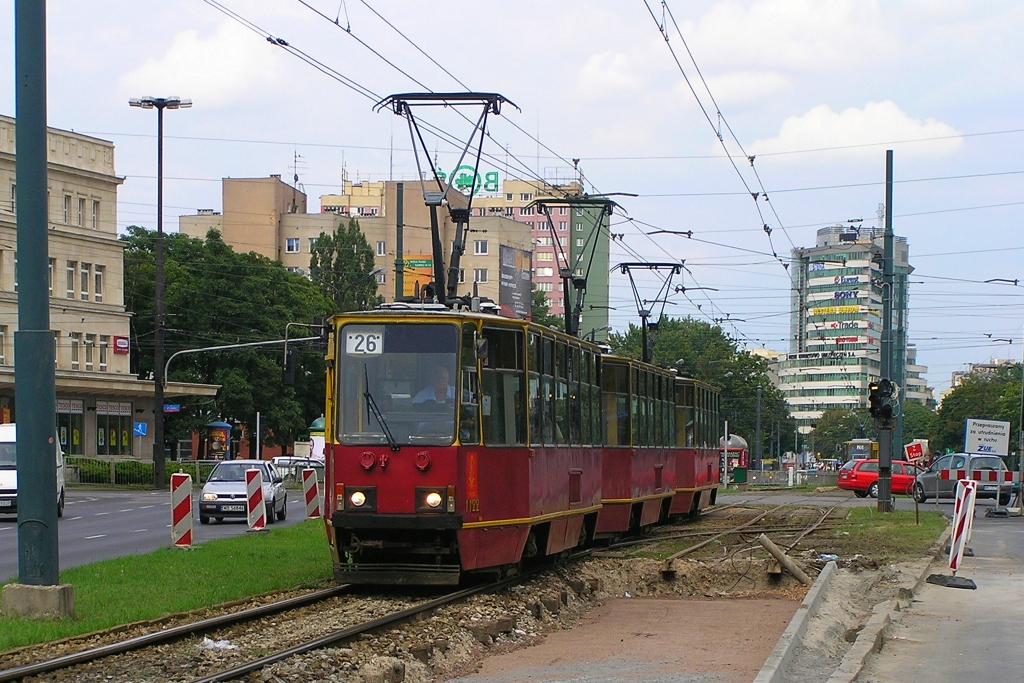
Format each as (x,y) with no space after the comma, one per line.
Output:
(224,495)
(929,484)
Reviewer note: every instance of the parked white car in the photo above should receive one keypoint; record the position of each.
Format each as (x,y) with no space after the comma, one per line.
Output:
(224,495)
(9,472)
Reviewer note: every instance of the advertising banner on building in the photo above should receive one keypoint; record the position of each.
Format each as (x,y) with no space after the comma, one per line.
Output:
(516,290)
(419,271)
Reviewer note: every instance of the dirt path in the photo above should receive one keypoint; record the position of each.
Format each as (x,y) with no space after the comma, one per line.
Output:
(652,640)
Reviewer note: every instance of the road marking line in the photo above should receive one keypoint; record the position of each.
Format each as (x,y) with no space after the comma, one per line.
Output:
(71,519)
(89,538)
(6,528)
(145,507)
(97,514)
(168,526)
(135,531)
(165,503)
(128,510)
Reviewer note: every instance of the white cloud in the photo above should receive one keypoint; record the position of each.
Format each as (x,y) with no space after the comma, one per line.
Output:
(607,74)
(213,72)
(799,34)
(877,122)
(744,86)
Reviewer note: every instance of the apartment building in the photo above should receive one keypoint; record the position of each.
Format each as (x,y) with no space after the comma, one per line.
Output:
(98,398)
(268,216)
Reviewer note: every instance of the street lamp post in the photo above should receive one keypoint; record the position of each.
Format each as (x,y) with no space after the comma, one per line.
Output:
(159,103)
(757,431)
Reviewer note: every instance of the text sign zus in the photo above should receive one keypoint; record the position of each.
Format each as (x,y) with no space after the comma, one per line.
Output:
(991,437)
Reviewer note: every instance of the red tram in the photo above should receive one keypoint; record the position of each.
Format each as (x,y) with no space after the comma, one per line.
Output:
(465,442)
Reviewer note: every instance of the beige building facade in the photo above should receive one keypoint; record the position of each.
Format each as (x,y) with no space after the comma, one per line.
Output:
(258,216)
(98,399)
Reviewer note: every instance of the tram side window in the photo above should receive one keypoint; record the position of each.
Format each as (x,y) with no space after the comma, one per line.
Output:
(469,408)
(615,386)
(574,359)
(561,393)
(502,396)
(595,402)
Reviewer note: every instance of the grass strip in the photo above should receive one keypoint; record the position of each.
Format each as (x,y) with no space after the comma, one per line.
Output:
(140,587)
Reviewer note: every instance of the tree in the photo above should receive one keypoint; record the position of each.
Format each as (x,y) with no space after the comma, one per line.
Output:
(216,296)
(540,311)
(918,421)
(337,263)
(836,426)
(993,396)
(704,352)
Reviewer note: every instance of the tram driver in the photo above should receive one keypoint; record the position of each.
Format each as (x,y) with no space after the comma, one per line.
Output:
(438,391)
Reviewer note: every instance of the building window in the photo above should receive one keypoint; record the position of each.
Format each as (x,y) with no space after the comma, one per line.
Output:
(525,196)
(90,347)
(81,212)
(544,286)
(462,276)
(545,256)
(76,342)
(52,267)
(579,241)
(563,210)
(479,275)
(381,249)
(563,225)
(86,271)
(95,214)
(508,196)
(104,346)
(312,243)
(480,247)
(544,241)
(291,245)
(14,198)
(70,290)
(579,212)
(98,282)
(525,210)
(509,210)
(3,344)
(544,272)
(561,241)
(579,227)
(67,209)
(381,277)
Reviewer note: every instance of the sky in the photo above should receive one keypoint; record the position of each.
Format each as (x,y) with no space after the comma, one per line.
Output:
(815,90)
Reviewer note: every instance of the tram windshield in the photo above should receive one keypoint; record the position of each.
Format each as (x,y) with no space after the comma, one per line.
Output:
(397,384)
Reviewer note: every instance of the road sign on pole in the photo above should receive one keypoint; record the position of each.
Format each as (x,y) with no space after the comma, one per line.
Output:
(989,437)
(139,428)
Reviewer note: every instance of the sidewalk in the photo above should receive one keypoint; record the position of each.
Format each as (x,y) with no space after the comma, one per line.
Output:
(952,635)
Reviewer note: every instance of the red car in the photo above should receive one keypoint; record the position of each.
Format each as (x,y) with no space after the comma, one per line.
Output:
(861,477)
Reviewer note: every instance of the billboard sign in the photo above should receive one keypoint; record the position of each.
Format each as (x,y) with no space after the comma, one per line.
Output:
(989,437)
(516,290)
(466,178)
(418,272)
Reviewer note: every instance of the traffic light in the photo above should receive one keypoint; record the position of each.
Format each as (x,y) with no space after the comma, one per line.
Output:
(880,399)
(291,357)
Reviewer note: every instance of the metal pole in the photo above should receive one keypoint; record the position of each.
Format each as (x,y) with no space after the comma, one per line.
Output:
(399,243)
(885,442)
(259,454)
(34,386)
(725,456)
(757,430)
(159,464)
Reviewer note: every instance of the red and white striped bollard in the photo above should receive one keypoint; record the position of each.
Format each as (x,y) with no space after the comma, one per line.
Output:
(181,510)
(963,520)
(257,511)
(311,492)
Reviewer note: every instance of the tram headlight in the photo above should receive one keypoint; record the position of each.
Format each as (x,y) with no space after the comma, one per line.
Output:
(358,499)
(433,499)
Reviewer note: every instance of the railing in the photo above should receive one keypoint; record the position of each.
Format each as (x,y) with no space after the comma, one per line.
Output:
(139,473)
(781,478)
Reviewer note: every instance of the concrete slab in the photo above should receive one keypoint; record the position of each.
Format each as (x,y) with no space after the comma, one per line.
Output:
(38,602)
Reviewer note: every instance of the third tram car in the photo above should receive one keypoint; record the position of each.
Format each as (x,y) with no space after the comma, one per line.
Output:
(461,442)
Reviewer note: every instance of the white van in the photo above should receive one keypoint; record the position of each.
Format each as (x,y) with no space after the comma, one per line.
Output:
(9,472)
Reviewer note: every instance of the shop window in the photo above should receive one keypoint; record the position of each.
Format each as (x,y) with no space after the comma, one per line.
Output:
(113,428)
(69,425)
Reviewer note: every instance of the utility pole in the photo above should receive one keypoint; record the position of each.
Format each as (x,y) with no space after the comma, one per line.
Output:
(885,442)
(757,430)
(399,242)
(34,385)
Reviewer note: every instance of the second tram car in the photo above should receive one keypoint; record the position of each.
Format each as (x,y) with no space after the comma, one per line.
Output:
(461,442)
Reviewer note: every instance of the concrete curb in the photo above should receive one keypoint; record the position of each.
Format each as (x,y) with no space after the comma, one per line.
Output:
(774,667)
(872,636)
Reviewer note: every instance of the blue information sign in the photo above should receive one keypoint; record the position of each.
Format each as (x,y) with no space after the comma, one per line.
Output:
(140,429)
(172,408)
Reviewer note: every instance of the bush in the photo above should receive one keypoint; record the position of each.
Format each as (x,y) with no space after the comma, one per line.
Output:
(90,470)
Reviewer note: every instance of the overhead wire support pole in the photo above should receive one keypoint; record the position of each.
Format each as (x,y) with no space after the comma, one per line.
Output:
(647,327)
(402,104)
(885,441)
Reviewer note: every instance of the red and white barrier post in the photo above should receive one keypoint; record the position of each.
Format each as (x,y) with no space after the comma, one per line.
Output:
(181,510)
(311,492)
(256,509)
(963,521)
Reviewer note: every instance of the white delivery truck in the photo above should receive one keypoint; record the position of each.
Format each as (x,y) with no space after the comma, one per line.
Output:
(9,472)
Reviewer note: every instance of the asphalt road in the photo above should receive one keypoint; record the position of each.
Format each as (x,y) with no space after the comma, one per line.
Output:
(98,525)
